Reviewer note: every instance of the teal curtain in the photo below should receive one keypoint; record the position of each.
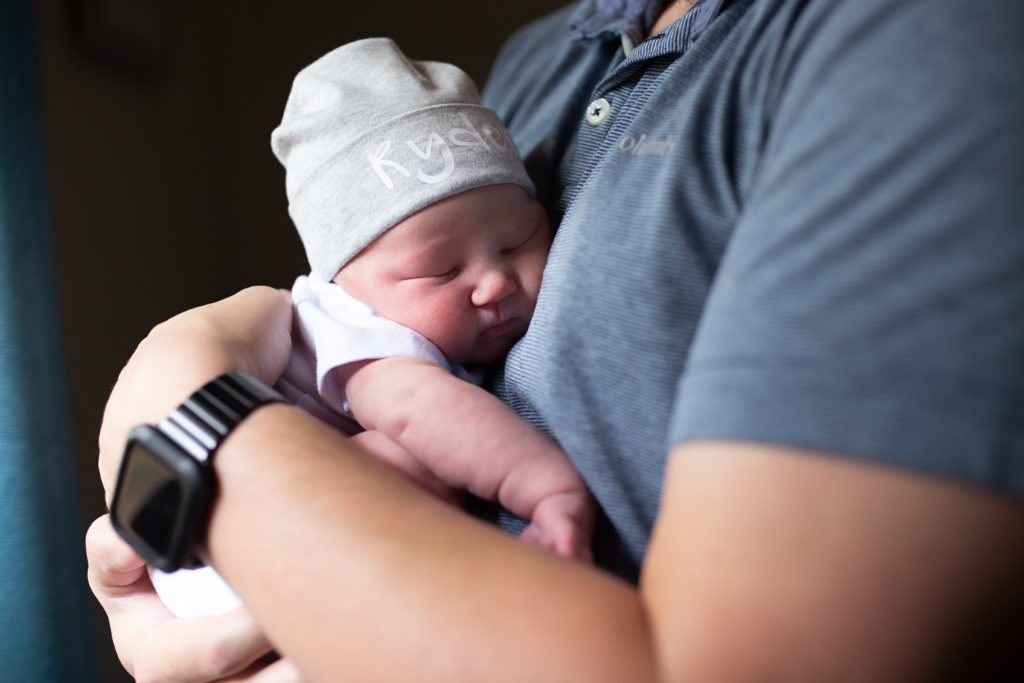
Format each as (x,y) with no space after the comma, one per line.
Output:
(45,630)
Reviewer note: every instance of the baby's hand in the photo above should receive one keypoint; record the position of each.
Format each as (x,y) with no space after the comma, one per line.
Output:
(564,523)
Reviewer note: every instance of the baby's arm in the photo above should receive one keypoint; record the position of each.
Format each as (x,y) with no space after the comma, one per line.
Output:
(390,451)
(472,441)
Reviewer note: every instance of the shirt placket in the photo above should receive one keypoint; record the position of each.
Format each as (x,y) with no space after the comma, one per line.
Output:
(616,100)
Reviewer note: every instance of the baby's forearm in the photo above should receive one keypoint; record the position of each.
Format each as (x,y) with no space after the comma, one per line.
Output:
(462,433)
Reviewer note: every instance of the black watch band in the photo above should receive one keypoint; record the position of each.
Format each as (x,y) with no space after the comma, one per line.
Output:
(166,485)
(202,423)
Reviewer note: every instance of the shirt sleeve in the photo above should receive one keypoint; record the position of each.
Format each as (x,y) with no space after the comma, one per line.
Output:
(337,330)
(871,302)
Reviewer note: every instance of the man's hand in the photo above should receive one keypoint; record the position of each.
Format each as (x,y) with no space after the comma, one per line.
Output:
(250,331)
(153,644)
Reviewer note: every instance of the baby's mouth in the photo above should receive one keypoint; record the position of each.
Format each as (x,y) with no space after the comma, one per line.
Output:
(500,330)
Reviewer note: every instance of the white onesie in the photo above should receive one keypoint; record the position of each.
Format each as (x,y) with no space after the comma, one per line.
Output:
(331,329)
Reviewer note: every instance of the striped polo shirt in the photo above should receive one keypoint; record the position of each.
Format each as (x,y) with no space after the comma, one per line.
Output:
(797,222)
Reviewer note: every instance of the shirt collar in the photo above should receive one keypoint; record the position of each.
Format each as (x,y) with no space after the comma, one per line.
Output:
(632,18)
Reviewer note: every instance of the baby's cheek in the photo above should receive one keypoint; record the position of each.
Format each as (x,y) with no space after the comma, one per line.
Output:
(538,261)
(445,326)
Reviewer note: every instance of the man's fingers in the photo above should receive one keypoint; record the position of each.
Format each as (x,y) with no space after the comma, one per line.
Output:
(114,567)
(281,671)
(153,645)
(200,649)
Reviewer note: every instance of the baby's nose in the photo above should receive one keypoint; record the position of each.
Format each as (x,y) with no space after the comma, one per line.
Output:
(494,286)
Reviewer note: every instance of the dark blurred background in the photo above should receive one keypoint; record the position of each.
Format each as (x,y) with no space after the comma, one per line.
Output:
(162,190)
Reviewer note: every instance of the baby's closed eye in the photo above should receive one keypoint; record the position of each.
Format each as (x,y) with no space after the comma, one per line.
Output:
(437,273)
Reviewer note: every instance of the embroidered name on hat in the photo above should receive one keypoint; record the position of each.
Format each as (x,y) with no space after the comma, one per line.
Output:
(433,160)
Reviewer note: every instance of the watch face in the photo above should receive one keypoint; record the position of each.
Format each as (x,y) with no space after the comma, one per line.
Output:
(158,499)
(153,498)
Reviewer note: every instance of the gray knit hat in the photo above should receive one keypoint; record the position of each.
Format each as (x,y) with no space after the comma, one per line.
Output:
(369,138)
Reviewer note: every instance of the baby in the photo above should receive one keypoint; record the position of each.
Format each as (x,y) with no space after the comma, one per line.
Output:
(426,249)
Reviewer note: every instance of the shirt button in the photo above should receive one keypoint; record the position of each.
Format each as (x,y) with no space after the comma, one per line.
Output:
(598,111)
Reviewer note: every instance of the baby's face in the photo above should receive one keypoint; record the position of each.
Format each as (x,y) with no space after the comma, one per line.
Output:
(464,272)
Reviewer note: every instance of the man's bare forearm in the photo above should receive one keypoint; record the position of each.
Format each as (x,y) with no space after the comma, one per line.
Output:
(359,575)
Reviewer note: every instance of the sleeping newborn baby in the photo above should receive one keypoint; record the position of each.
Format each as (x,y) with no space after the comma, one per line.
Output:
(426,249)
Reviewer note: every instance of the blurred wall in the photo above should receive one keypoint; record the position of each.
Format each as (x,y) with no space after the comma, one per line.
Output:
(164,193)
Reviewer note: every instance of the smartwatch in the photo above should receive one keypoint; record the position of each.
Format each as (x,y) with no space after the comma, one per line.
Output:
(166,484)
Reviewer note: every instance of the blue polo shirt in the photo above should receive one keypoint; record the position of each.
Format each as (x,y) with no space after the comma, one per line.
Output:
(797,222)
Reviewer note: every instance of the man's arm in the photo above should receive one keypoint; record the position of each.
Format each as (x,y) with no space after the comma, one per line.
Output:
(767,563)
(378,580)
(771,563)
(764,560)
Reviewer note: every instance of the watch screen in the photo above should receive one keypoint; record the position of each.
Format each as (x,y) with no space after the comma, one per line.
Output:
(150,499)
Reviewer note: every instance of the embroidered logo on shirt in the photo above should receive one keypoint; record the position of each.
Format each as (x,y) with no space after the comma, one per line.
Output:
(432,159)
(642,146)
